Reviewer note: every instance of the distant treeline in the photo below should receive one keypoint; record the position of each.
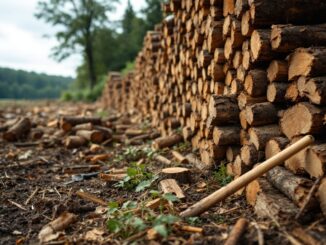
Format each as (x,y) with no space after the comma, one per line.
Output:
(18,84)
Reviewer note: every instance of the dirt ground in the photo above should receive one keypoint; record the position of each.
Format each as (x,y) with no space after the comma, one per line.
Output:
(35,190)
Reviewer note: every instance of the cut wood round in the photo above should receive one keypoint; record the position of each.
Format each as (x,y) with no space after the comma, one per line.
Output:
(179,157)
(315,161)
(277,71)
(261,114)
(292,93)
(240,7)
(18,130)
(75,142)
(167,141)
(286,38)
(302,119)
(260,135)
(250,155)
(256,83)
(315,90)
(223,110)
(276,92)
(246,100)
(246,27)
(275,145)
(226,135)
(67,123)
(239,167)
(232,152)
(307,62)
(94,136)
(296,163)
(182,175)
(260,45)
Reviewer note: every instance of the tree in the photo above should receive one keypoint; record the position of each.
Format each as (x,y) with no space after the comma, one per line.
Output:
(78,21)
(153,13)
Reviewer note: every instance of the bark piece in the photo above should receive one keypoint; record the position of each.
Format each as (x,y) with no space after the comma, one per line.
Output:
(262,195)
(294,187)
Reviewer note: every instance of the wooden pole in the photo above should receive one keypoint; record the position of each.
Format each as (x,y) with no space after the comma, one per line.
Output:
(245,179)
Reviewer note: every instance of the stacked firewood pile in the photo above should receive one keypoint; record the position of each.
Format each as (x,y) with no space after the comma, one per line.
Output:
(243,79)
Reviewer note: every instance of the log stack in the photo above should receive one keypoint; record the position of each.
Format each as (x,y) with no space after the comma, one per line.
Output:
(239,80)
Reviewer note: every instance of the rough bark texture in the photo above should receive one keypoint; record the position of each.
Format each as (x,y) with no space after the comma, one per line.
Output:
(261,114)
(260,135)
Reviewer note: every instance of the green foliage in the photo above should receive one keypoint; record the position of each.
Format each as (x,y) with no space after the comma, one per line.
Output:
(78,21)
(129,67)
(221,175)
(124,221)
(18,84)
(137,177)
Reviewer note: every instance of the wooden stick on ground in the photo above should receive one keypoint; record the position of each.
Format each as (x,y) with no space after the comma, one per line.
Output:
(245,179)
(237,231)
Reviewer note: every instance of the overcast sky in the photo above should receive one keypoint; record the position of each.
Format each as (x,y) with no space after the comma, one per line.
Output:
(22,45)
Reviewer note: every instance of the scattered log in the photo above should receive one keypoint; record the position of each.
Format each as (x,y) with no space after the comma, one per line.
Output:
(75,142)
(67,123)
(179,157)
(163,160)
(167,141)
(93,136)
(18,130)
(309,237)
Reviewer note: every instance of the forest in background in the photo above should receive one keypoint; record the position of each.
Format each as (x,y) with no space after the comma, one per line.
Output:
(114,45)
(18,84)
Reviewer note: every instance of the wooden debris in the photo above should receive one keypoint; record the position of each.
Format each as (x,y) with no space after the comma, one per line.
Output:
(171,186)
(182,175)
(168,141)
(237,231)
(18,130)
(90,197)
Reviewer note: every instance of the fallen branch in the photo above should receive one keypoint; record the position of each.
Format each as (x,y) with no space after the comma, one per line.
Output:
(237,231)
